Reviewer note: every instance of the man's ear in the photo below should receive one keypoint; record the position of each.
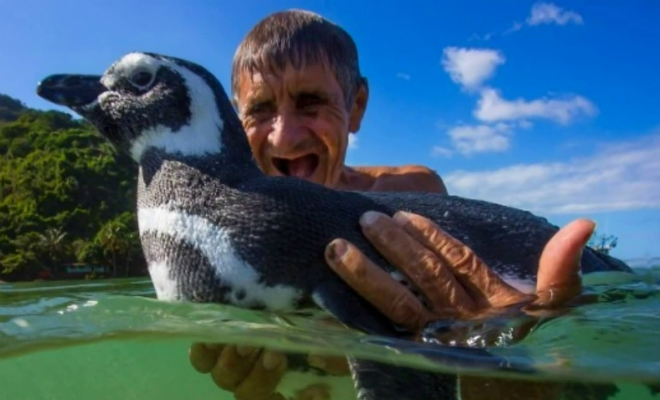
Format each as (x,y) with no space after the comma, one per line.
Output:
(359,107)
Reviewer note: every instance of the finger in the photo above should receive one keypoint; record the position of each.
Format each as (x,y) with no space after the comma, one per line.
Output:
(314,392)
(482,284)
(332,365)
(375,285)
(263,379)
(559,266)
(424,269)
(234,365)
(204,356)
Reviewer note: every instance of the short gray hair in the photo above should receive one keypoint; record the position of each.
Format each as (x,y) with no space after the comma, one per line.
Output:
(300,38)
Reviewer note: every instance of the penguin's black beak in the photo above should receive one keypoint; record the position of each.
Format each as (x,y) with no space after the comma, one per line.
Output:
(74,91)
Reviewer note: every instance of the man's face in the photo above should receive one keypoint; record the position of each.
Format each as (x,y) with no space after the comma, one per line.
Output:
(297,121)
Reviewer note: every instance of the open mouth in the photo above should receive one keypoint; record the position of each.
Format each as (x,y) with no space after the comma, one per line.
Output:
(301,167)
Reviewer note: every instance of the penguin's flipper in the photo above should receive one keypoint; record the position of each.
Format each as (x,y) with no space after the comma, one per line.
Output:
(374,380)
(335,297)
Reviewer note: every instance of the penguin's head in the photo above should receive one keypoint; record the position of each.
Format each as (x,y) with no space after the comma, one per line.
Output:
(150,101)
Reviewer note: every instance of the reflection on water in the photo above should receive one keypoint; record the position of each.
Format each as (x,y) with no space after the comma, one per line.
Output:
(112,339)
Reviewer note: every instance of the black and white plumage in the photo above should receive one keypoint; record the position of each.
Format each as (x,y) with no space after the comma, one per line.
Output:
(214,228)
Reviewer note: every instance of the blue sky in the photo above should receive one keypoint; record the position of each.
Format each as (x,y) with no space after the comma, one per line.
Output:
(552,107)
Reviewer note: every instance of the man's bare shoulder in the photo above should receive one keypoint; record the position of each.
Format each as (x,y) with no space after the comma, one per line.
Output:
(411,178)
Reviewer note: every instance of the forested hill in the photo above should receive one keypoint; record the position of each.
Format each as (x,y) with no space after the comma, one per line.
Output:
(10,108)
(67,198)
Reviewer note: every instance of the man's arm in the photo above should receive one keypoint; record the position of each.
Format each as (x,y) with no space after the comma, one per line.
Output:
(405,178)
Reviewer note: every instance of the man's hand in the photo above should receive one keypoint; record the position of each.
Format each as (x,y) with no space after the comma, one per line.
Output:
(248,372)
(254,374)
(456,283)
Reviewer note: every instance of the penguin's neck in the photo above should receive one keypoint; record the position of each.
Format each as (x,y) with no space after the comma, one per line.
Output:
(227,168)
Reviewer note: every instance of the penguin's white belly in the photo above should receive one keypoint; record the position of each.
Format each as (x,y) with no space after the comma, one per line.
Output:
(214,244)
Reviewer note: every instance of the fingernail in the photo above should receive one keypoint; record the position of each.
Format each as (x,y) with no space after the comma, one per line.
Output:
(591,233)
(244,350)
(402,215)
(402,218)
(337,250)
(370,218)
(316,361)
(271,360)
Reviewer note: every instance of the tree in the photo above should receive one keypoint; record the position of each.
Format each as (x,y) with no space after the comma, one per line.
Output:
(120,243)
(52,246)
(65,195)
(10,108)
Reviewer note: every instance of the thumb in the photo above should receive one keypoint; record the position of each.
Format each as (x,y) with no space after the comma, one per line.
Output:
(559,266)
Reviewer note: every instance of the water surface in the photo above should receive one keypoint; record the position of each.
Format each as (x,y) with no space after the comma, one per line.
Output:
(111,339)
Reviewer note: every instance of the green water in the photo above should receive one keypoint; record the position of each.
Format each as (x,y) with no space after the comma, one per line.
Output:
(112,340)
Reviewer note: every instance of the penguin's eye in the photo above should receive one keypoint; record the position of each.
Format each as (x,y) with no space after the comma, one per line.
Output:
(141,79)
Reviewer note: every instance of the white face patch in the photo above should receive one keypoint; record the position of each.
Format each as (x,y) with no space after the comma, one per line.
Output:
(214,243)
(201,136)
(128,65)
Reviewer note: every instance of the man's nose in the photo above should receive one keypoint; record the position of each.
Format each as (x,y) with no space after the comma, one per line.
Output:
(287,133)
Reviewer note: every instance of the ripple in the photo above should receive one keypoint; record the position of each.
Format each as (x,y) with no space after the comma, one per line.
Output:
(612,336)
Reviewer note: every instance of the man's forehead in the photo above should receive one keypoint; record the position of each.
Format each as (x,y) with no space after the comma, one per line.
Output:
(316,77)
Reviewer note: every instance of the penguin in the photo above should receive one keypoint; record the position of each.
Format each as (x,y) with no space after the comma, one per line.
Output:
(215,229)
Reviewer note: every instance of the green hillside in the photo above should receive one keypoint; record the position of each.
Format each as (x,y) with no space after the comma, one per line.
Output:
(67,198)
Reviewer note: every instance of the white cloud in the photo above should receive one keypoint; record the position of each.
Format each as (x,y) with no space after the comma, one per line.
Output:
(352,142)
(549,13)
(403,76)
(491,107)
(440,151)
(618,176)
(469,139)
(516,27)
(546,13)
(486,37)
(470,67)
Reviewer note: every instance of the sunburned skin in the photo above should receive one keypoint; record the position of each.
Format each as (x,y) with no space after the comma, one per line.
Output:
(405,178)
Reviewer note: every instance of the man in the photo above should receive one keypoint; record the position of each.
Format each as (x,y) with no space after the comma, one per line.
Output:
(297,87)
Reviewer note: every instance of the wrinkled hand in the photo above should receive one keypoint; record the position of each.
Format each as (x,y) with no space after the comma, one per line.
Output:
(451,277)
(254,374)
(455,282)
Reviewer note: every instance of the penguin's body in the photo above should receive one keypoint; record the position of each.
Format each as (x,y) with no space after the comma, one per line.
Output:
(214,228)
(262,238)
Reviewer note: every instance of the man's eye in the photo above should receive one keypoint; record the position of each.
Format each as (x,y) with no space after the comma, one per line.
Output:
(259,109)
(309,101)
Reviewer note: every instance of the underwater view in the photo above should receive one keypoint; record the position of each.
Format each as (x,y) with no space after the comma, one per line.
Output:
(111,339)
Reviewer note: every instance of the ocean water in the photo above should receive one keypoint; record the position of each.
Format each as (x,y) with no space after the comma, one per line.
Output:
(110,339)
